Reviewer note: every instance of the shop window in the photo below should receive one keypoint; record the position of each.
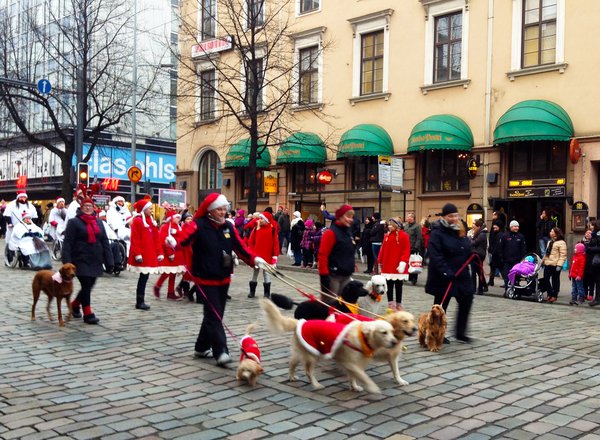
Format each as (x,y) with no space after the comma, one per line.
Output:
(209,172)
(304,178)
(364,172)
(537,160)
(445,170)
(245,178)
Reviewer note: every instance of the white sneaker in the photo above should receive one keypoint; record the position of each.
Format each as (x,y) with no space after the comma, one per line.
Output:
(223,359)
(203,354)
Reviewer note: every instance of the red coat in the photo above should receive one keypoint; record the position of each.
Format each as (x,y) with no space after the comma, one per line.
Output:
(176,264)
(322,338)
(187,229)
(145,242)
(264,242)
(394,249)
(249,349)
(577,266)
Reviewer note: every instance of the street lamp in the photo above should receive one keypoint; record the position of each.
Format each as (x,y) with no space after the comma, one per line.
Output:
(134,98)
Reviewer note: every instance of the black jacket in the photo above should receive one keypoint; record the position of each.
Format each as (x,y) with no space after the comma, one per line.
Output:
(512,247)
(543,228)
(376,232)
(296,235)
(480,243)
(448,252)
(592,249)
(87,257)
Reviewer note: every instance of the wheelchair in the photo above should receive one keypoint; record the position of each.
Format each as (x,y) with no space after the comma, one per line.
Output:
(37,261)
(119,251)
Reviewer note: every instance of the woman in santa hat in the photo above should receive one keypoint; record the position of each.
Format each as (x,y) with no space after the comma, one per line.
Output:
(173,263)
(58,219)
(264,241)
(393,260)
(213,241)
(146,250)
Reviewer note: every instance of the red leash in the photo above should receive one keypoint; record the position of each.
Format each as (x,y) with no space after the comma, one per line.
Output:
(466,263)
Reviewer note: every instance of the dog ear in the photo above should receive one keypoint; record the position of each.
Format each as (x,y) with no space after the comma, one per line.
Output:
(62,271)
(363,292)
(369,285)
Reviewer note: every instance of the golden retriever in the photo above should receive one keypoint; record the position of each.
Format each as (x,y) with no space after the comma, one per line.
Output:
(56,285)
(350,345)
(432,328)
(249,368)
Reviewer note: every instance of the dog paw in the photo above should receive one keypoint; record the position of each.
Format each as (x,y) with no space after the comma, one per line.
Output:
(401,381)
(317,386)
(434,349)
(292,378)
(373,390)
(356,388)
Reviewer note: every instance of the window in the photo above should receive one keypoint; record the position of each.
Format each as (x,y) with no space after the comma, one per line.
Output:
(209,173)
(370,56)
(208,19)
(371,72)
(448,42)
(538,160)
(254,84)
(445,170)
(256,13)
(539,32)
(207,95)
(309,76)
(305,178)
(364,172)
(245,178)
(309,6)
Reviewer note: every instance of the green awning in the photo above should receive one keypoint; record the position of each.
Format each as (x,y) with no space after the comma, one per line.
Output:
(534,120)
(440,132)
(239,155)
(365,140)
(302,147)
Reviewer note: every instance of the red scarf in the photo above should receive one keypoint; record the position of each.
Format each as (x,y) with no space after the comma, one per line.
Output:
(92,226)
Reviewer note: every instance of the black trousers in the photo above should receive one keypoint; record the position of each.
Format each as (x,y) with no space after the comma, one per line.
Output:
(390,290)
(552,276)
(464,309)
(140,290)
(85,294)
(212,333)
(368,251)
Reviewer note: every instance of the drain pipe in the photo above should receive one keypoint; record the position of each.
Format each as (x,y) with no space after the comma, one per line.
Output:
(488,104)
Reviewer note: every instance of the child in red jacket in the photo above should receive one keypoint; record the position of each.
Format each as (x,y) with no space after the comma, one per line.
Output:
(264,242)
(576,275)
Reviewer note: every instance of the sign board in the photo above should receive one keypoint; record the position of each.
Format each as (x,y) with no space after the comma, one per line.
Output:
(552,191)
(391,171)
(472,168)
(324,177)
(101,200)
(270,182)
(212,46)
(134,174)
(44,86)
(537,182)
(175,197)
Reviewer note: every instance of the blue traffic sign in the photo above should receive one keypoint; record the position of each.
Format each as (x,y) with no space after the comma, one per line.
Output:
(44,86)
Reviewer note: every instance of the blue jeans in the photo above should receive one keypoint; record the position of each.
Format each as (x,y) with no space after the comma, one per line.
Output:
(376,247)
(577,290)
(543,243)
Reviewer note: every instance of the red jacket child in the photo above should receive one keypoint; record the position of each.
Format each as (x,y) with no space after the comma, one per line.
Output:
(395,249)
(578,263)
(146,249)
(264,240)
(173,262)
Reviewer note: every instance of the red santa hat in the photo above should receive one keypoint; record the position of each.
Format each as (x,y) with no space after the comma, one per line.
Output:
(212,201)
(60,199)
(140,206)
(172,214)
(267,216)
(342,210)
(88,200)
(118,199)
(21,194)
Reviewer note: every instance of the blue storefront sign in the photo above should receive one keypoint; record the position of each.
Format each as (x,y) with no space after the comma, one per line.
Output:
(113,162)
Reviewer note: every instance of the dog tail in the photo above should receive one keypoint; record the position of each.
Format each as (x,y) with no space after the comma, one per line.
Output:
(276,322)
(283,302)
(251,327)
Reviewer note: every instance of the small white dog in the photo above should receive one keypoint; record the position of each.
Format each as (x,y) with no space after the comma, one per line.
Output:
(376,301)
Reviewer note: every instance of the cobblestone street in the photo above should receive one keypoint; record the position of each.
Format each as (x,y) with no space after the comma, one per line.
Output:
(532,372)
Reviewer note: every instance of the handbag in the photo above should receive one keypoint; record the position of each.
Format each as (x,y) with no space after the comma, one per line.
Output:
(596,261)
(415,264)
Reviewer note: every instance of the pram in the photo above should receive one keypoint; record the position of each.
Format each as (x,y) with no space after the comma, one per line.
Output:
(527,285)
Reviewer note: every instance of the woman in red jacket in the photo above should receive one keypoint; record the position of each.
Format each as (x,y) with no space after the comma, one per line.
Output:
(264,242)
(173,264)
(393,260)
(146,249)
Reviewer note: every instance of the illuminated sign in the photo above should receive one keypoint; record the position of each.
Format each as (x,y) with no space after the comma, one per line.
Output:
(270,182)
(110,184)
(472,168)
(537,182)
(324,177)
(554,191)
(21,182)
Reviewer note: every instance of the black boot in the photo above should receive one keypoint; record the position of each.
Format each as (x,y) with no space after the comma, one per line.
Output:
(491,281)
(253,285)
(140,304)
(267,287)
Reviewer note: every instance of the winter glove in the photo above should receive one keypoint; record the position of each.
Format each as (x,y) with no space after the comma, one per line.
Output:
(170,241)
(259,263)
(274,261)
(160,258)
(171,257)
(325,283)
(578,279)
(558,268)
(138,259)
(173,231)
(401,267)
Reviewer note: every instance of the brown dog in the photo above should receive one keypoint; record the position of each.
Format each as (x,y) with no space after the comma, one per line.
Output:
(46,281)
(432,328)
(249,368)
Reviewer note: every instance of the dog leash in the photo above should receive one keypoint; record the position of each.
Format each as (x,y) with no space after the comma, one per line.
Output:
(458,272)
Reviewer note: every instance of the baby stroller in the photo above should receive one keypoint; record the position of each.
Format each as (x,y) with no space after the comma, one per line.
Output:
(527,285)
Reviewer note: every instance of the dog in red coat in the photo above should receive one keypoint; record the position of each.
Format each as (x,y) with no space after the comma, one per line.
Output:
(249,368)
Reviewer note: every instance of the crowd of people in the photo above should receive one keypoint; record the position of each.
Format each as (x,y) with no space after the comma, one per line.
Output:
(456,253)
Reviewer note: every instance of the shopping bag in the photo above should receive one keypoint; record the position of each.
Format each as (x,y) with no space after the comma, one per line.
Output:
(290,253)
(415,264)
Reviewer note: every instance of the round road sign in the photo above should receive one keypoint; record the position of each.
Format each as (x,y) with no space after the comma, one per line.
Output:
(134,174)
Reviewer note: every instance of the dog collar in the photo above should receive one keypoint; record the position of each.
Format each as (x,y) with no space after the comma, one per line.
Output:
(376,296)
(364,345)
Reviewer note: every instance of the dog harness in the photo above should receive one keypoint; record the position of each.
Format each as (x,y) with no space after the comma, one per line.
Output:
(58,278)
(322,338)
(249,349)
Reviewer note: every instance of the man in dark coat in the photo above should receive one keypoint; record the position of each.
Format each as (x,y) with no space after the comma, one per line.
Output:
(415,234)
(513,249)
(86,246)
(449,249)
(543,227)
(284,223)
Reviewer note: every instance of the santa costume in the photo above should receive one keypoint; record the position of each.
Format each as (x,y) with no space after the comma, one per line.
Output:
(146,249)
(14,213)
(173,262)
(393,261)
(58,219)
(264,242)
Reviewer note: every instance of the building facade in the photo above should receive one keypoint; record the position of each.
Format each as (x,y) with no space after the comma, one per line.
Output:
(488,105)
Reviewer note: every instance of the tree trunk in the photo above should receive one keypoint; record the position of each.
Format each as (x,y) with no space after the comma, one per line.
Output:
(66,166)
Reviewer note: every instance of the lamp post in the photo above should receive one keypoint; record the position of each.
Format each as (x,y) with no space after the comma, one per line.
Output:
(134,98)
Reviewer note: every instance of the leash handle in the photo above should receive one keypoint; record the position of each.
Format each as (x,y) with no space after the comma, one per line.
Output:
(466,263)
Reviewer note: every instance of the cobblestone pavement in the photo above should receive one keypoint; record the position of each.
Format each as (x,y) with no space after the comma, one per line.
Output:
(532,372)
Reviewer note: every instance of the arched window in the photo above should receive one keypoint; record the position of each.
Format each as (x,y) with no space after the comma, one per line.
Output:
(209,173)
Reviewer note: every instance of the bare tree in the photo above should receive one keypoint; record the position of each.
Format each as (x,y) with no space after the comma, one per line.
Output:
(257,81)
(82,47)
